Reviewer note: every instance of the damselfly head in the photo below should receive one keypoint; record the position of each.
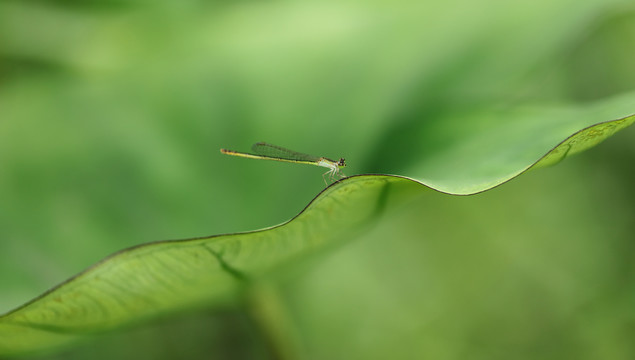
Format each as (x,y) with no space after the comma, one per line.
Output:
(341,162)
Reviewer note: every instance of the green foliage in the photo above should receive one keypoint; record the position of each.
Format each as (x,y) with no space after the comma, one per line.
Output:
(155,278)
(112,114)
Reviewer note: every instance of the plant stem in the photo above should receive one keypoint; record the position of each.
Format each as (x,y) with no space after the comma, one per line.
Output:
(268,311)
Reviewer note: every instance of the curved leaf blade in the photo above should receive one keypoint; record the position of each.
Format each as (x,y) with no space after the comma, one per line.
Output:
(168,276)
(487,148)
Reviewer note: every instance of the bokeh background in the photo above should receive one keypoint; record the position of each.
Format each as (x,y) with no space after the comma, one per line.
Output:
(112,113)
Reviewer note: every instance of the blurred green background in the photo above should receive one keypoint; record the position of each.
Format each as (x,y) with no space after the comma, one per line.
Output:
(112,114)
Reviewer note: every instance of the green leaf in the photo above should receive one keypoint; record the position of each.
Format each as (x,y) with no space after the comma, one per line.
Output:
(108,118)
(168,276)
(486,148)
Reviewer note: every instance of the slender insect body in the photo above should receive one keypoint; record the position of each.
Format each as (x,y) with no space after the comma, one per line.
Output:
(272,152)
